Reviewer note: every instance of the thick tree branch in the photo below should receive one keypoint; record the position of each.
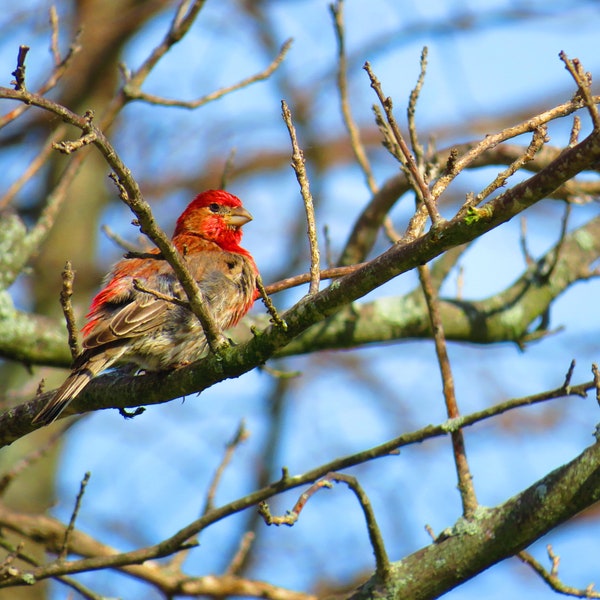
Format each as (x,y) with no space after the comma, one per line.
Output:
(470,547)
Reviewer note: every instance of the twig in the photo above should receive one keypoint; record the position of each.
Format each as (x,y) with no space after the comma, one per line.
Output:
(292,516)
(596,373)
(241,435)
(33,167)
(299,166)
(411,111)
(138,285)
(381,557)
(275,318)
(551,577)
(53,18)
(382,562)
(421,188)
(19,72)
(583,81)
(133,92)
(569,375)
(465,479)
(227,169)
(68,147)
(60,67)
(31,458)
(66,293)
(491,141)
(290,282)
(337,12)
(564,223)
(540,137)
(17,552)
(65,546)
(575,130)
(239,558)
(523,241)
(124,244)
(177,541)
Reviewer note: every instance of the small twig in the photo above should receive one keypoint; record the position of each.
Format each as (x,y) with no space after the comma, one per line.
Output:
(34,456)
(33,167)
(240,436)
(382,562)
(69,147)
(19,72)
(291,516)
(411,111)
(540,137)
(299,166)
(54,36)
(460,282)
(523,241)
(239,558)
(227,169)
(420,186)
(17,552)
(551,577)
(583,81)
(575,130)
(124,244)
(430,532)
(133,92)
(138,285)
(568,377)
(275,318)
(6,568)
(328,247)
(596,373)
(465,479)
(381,557)
(57,73)
(337,12)
(290,282)
(280,373)
(65,546)
(66,292)
(564,223)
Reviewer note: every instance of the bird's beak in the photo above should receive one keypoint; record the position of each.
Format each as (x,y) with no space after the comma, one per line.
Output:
(237,217)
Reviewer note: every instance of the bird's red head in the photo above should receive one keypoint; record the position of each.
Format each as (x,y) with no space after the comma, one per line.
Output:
(215,215)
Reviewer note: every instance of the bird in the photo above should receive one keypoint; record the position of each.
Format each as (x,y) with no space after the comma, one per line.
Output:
(127,323)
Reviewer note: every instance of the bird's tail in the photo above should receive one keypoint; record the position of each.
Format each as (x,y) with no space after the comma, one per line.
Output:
(72,387)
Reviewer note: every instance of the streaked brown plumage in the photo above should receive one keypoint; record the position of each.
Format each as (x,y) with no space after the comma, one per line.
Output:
(126,325)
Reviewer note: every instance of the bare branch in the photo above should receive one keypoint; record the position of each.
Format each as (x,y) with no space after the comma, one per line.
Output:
(299,167)
(551,577)
(66,293)
(411,111)
(337,12)
(264,294)
(584,82)
(19,72)
(290,518)
(405,157)
(69,530)
(465,479)
(134,93)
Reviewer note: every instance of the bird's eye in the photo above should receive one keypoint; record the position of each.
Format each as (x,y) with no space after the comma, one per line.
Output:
(214,207)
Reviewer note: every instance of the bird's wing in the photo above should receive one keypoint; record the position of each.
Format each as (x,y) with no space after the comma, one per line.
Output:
(134,317)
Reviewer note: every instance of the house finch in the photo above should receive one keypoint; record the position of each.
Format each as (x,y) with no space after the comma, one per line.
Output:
(126,325)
